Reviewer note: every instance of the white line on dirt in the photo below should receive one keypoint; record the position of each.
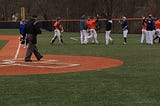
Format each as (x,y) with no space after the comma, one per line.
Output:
(51,63)
(17,52)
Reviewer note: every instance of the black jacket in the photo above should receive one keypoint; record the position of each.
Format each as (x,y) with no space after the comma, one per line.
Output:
(150,25)
(124,25)
(32,29)
(108,25)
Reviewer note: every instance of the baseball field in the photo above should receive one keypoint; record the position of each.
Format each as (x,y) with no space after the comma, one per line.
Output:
(79,75)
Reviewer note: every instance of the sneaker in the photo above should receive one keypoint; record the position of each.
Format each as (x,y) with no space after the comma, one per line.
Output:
(107,43)
(28,60)
(39,58)
(124,43)
(51,42)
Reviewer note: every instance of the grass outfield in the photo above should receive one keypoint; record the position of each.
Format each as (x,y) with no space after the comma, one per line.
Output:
(135,83)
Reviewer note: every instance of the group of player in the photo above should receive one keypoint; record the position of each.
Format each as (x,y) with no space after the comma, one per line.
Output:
(88,26)
(88,32)
(88,29)
(150,29)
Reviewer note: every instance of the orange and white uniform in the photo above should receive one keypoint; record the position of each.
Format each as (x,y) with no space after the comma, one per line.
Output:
(91,25)
(143,36)
(57,26)
(57,32)
(157,26)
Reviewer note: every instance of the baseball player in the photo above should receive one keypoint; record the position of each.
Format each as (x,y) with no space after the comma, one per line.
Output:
(143,37)
(88,25)
(157,26)
(124,25)
(150,29)
(83,30)
(108,30)
(58,29)
(91,27)
(22,32)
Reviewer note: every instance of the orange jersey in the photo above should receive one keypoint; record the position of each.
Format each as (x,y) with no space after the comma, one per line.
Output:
(157,24)
(57,25)
(91,24)
(144,26)
(88,24)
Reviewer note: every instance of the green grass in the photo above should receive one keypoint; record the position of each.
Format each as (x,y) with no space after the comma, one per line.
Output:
(9,31)
(2,43)
(136,83)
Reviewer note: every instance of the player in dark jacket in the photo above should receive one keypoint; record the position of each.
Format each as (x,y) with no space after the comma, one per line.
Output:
(108,29)
(32,30)
(150,29)
(124,25)
(83,30)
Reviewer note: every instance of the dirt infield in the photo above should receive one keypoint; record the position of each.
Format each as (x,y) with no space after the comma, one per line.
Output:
(11,61)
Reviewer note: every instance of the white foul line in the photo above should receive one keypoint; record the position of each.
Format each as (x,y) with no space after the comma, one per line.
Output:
(17,52)
(9,62)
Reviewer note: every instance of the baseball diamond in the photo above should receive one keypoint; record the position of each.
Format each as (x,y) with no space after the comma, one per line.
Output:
(12,62)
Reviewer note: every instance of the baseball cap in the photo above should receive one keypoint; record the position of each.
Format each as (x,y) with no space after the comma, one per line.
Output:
(124,17)
(149,14)
(58,18)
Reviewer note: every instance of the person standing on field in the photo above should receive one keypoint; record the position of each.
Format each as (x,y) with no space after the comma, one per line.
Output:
(58,29)
(157,26)
(124,25)
(88,25)
(108,29)
(83,30)
(22,26)
(150,29)
(91,27)
(32,29)
(143,36)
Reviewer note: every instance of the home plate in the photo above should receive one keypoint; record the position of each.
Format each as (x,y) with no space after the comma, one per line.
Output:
(8,62)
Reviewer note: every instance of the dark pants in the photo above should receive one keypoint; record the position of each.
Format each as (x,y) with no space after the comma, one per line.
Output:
(32,48)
